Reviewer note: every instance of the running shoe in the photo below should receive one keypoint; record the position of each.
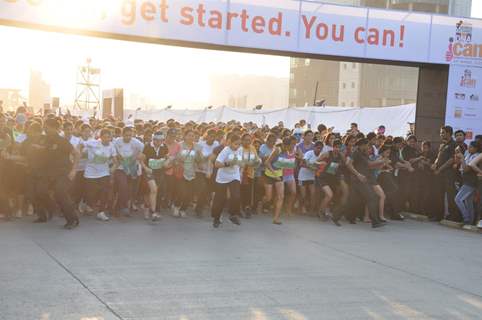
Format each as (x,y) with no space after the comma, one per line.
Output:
(175,211)
(102,216)
(235,220)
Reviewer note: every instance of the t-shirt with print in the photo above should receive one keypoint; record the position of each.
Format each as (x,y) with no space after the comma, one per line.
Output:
(306,174)
(155,156)
(83,156)
(128,153)
(173,150)
(231,173)
(187,157)
(204,151)
(99,157)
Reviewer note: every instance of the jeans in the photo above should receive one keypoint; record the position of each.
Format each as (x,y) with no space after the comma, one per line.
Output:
(480,199)
(451,192)
(465,202)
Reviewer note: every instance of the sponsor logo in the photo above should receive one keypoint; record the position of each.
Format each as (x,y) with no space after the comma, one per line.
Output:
(458,113)
(474,97)
(460,96)
(466,80)
(460,45)
(463,31)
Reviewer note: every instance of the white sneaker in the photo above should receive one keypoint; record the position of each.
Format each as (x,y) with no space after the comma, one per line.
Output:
(102,216)
(30,210)
(156,217)
(175,211)
(183,214)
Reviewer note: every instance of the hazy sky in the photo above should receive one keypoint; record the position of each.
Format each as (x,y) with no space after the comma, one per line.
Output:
(165,75)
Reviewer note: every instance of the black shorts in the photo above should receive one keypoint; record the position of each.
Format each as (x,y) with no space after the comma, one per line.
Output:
(327,180)
(306,183)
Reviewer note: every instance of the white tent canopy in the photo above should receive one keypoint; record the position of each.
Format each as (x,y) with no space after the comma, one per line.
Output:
(395,119)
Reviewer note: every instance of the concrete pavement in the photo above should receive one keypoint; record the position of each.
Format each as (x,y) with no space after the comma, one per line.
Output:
(186,270)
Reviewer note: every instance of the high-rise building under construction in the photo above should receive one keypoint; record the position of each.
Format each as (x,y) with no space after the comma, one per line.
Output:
(359,84)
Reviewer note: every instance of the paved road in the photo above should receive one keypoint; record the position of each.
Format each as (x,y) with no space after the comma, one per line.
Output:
(185,270)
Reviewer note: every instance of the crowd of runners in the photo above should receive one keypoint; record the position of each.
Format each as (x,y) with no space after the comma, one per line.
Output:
(79,167)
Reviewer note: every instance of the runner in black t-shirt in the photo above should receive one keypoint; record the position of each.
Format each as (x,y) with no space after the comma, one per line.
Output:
(56,172)
(445,173)
(5,143)
(364,179)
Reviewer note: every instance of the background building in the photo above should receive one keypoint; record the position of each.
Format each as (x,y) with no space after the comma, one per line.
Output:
(38,92)
(359,84)
(245,92)
(10,99)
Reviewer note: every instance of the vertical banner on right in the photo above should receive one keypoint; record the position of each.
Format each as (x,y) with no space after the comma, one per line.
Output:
(464,104)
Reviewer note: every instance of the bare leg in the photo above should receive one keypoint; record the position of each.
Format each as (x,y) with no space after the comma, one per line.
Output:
(280,191)
(381,201)
(326,199)
(291,185)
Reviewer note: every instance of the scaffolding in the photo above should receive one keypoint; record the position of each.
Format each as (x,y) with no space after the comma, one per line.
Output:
(87,93)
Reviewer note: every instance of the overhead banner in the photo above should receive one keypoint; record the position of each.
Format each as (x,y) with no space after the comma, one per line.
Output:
(278,25)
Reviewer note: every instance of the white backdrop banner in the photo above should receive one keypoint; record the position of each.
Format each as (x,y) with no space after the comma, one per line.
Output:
(395,119)
(280,25)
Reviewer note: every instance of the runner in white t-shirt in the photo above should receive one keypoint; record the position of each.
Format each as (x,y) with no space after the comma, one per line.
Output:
(79,189)
(204,182)
(101,161)
(228,177)
(125,178)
